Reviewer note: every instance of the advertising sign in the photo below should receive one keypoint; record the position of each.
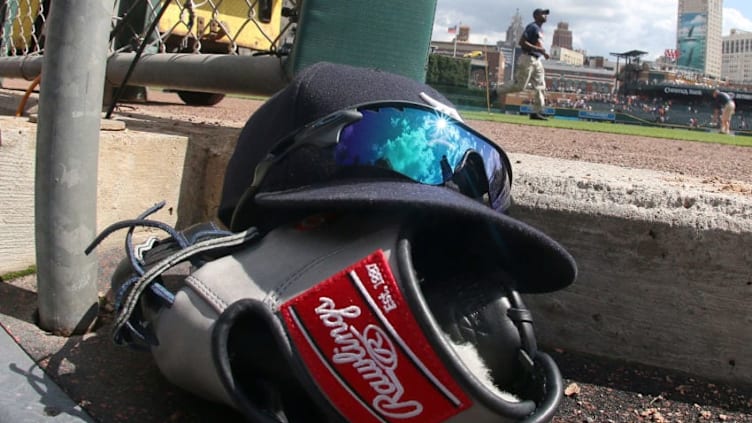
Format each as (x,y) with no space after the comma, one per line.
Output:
(692,41)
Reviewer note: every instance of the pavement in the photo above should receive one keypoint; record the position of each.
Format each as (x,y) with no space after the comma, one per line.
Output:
(28,394)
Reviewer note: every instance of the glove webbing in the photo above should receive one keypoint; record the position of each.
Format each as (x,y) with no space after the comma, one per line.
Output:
(131,298)
(188,248)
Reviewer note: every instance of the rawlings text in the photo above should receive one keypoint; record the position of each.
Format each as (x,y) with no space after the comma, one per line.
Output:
(372,354)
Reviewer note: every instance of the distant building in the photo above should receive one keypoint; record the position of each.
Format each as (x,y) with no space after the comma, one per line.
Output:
(514,31)
(568,56)
(561,77)
(507,62)
(736,66)
(569,72)
(464,34)
(562,36)
(599,62)
(698,36)
(595,61)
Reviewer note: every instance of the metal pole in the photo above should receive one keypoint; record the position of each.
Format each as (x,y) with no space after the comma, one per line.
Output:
(217,73)
(220,73)
(70,106)
(135,15)
(616,77)
(488,87)
(456,34)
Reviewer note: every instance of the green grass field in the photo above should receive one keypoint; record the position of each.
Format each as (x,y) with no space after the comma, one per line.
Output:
(615,128)
(678,133)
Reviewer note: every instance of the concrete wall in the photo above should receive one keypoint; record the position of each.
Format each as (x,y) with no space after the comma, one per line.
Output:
(665,265)
(136,170)
(665,261)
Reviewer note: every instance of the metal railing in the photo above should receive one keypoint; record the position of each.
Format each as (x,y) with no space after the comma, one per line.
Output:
(207,46)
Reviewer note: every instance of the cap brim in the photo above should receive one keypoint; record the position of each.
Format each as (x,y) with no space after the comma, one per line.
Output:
(539,263)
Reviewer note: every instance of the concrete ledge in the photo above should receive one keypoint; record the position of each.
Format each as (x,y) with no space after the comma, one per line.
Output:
(665,265)
(136,170)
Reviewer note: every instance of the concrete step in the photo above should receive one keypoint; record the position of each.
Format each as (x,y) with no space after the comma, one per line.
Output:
(665,264)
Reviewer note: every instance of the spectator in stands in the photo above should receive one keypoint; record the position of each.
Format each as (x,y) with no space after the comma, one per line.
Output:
(529,68)
(725,106)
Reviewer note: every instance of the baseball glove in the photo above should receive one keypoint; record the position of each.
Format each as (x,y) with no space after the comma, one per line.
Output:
(364,317)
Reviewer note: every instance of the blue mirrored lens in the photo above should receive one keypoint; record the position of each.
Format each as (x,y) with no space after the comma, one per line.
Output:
(423,145)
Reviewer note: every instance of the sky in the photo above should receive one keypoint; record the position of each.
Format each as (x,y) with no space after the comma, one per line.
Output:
(600,27)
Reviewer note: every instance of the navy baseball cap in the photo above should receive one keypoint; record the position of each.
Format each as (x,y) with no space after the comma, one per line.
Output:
(301,183)
(537,12)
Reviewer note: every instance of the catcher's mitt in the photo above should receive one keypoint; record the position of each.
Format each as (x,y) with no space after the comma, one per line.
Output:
(362,317)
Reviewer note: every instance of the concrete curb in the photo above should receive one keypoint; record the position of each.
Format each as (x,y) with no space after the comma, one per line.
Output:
(136,170)
(665,265)
(27,394)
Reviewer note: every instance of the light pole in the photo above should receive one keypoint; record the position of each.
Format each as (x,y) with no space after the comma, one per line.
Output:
(488,87)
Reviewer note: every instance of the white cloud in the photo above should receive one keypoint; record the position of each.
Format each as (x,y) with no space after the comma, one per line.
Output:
(733,19)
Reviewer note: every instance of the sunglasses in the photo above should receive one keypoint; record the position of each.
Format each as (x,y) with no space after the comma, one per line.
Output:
(416,141)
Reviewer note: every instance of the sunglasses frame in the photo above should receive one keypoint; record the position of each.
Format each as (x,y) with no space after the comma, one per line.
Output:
(324,132)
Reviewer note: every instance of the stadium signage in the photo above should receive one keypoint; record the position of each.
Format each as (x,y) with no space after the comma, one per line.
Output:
(527,109)
(589,115)
(742,96)
(683,91)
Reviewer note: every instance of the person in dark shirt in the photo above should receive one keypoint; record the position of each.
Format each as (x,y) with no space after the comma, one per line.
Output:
(529,67)
(725,107)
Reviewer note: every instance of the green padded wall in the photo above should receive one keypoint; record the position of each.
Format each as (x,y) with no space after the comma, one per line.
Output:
(392,35)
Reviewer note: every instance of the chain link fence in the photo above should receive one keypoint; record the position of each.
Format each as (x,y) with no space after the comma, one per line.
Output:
(209,26)
(170,26)
(22,29)
(204,49)
(157,29)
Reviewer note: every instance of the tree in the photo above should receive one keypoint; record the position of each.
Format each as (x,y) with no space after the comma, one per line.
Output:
(448,71)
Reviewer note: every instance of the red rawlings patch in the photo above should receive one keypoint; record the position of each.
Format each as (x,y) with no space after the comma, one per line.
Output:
(366,351)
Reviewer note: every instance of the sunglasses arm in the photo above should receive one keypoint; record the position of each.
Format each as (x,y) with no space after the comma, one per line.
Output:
(325,132)
(321,133)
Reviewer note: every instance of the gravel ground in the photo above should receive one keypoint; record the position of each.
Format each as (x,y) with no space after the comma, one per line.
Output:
(720,163)
(120,385)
